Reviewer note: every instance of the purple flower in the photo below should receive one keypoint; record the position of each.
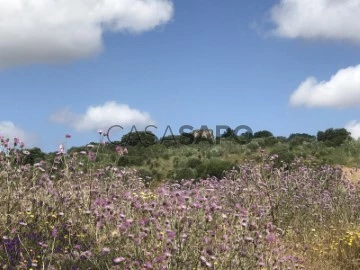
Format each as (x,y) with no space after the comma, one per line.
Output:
(86,254)
(92,155)
(121,150)
(105,250)
(16,141)
(249,239)
(54,232)
(119,260)
(270,238)
(148,264)
(170,234)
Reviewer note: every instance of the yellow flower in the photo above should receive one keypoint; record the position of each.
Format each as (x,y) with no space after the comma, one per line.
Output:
(115,233)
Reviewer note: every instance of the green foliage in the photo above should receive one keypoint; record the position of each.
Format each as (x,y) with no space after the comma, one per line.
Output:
(168,157)
(262,134)
(144,138)
(281,139)
(194,163)
(36,155)
(305,136)
(214,167)
(334,137)
(243,139)
(253,146)
(131,160)
(285,156)
(185,173)
(169,140)
(270,141)
(229,133)
(260,142)
(296,139)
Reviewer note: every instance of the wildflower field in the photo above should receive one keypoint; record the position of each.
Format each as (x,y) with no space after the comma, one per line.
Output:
(71,214)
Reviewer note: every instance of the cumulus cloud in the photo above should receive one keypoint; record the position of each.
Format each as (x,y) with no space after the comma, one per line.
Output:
(9,130)
(103,117)
(341,91)
(317,19)
(354,128)
(50,31)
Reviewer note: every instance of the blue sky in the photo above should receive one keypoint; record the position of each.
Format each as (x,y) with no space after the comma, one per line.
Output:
(77,66)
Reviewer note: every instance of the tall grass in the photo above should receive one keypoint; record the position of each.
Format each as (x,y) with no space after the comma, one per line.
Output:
(70,214)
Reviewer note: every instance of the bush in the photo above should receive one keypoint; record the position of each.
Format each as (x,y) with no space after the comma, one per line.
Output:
(185,173)
(270,141)
(214,167)
(334,137)
(263,134)
(284,156)
(131,160)
(143,173)
(193,163)
(253,146)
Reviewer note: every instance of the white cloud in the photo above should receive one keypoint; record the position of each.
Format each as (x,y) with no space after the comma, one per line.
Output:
(341,91)
(48,31)
(317,19)
(103,117)
(354,128)
(9,130)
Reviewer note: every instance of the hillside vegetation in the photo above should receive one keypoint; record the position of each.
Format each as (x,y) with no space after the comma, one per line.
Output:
(171,158)
(85,208)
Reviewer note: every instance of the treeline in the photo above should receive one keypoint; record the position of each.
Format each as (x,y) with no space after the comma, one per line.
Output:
(173,157)
(331,137)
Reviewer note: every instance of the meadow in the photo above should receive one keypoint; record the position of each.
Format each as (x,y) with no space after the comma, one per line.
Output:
(71,213)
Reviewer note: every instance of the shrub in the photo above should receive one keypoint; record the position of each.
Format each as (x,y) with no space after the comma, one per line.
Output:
(193,163)
(263,134)
(185,173)
(284,156)
(214,167)
(270,141)
(253,146)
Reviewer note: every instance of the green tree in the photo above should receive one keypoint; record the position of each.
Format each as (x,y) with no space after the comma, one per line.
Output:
(144,138)
(229,133)
(263,134)
(36,155)
(304,136)
(296,139)
(334,137)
